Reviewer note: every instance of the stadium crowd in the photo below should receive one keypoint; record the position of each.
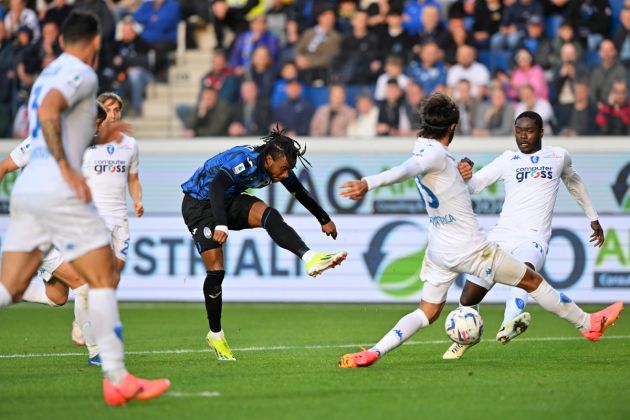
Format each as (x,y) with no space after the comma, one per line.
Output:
(347,67)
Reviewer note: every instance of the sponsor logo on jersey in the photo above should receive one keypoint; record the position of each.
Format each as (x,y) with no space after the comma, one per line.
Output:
(238,168)
(110,166)
(534,172)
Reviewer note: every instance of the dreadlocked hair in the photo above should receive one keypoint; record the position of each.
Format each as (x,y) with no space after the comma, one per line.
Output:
(438,113)
(278,144)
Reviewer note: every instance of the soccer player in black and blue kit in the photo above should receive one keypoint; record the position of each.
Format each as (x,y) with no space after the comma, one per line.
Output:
(215,201)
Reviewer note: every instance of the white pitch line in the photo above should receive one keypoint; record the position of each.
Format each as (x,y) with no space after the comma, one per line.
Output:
(203,394)
(276,348)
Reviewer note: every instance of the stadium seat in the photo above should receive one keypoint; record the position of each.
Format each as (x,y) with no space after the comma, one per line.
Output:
(316,95)
(552,23)
(353,91)
(591,58)
(615,6)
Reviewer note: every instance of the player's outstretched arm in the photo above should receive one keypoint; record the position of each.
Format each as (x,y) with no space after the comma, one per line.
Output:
(576,187)
(597,237)
(135,191)
(484,177)
(112,131)
(355,189)
(216,194)
(295,187)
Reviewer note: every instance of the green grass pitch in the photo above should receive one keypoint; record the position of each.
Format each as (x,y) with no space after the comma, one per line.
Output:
(287,367)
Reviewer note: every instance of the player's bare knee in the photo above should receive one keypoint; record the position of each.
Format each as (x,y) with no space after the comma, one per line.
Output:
(431,310)
(530,281)
(472,294)
(57,299)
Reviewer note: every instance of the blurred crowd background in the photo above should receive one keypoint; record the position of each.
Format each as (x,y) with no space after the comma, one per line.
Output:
(355,68)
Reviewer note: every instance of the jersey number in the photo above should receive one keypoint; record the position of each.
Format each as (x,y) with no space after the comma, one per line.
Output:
(34,107)
(432,200)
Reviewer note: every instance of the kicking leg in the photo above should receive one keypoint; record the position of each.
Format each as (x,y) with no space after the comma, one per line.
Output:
(260,215)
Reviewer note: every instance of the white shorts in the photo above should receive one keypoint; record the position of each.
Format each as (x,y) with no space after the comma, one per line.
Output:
(39,221)
(490,263)
(526,251)
(119,230)
(50,263)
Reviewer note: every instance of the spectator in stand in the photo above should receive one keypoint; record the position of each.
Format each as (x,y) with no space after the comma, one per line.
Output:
(536,42)
(289,71)
(467,68)
(357,62)
(252,116)
(487,20)
(57,12)
(26,62)
(19,16)
(464,9)
(526,72)
(609,71)
(456,37)
(591,19)
(261,71)
(578,119)
(393,70)
(378,10)
(316,50)
(278,16)
(496,117)
(564,78)
(530,102)
(613,117)
(6,83)
(566,35)
(366,118)
(333,118)
(249,41)
(122,8)
(513,24)
(295,113)
(413,100)
(412,13)
(393,40)
(49,48)
(392,116)
(429,72)
(211,117)
(229,17)
(622,38)
(468,108)
(346,9)
(433,28)
(159,19)
(220,78)
(131,64)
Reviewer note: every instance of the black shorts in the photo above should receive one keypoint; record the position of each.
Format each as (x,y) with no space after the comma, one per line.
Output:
(199,218)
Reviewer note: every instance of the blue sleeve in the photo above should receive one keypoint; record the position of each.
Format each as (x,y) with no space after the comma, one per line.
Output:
(143,13)
(168,17)
(235,167)
(235,57)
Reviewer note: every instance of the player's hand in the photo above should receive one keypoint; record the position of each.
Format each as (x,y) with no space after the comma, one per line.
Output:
(330,229)
(76,181)
(138,208)
(112,131)
(354,190)
(219,236)
(465,167)
(597,238)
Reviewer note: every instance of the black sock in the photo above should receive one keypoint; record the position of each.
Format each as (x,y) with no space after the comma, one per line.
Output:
(281,233)
(214,298)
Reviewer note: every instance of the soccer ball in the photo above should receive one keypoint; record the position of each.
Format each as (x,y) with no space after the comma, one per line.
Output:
(464,325)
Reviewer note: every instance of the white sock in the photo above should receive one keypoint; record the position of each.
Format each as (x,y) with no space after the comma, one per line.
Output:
(36,293)
(308,255)
(82,318)
(105,321)
(217,335)
(407,326)
(561,305)
(5,297)
(515,304)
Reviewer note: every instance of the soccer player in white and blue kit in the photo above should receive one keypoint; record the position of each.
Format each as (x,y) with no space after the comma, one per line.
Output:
(532,178)
(49,202)
(456,242)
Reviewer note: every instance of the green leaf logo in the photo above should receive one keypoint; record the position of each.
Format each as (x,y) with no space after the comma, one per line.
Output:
(401,277)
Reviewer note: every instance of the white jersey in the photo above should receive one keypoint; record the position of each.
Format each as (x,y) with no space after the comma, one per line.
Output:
(454,232)
(78,83)
(21,155)
(107,168)
(531,188)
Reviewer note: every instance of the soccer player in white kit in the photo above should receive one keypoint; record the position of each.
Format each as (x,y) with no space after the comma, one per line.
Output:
(109,168)
(456,242)
(532,178)
(49,202)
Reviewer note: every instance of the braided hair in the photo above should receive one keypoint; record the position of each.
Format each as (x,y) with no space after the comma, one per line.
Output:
(278,144)
(438,113)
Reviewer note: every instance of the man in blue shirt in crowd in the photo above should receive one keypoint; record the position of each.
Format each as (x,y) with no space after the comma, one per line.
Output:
(215,201)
